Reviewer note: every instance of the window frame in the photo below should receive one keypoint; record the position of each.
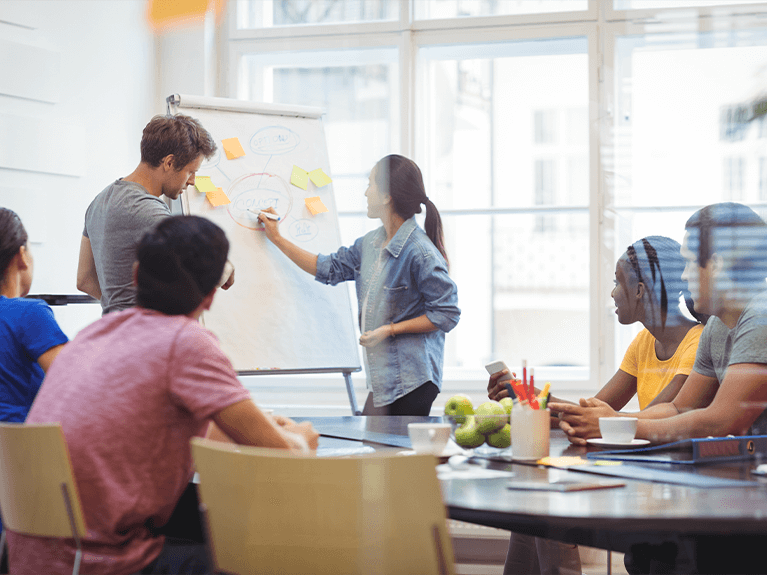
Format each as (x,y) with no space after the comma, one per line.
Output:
(601,25)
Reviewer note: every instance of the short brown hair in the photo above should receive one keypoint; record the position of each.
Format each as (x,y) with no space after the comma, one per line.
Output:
(179,135)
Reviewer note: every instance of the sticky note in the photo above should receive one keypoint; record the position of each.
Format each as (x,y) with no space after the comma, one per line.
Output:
(203,184)
(218,197)
(164,13)
(233,148)
(319,178)
(315,205)
(299,178)
(563,461)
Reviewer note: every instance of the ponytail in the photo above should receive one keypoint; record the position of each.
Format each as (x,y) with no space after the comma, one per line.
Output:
(433,228)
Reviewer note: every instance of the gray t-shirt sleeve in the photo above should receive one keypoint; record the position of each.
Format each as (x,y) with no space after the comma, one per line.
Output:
(704,362)
(749,344)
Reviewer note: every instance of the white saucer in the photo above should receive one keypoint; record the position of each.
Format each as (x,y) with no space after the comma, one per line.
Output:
(602,443)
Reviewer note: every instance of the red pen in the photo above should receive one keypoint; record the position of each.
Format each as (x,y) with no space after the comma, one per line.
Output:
(524,374)
(532,387)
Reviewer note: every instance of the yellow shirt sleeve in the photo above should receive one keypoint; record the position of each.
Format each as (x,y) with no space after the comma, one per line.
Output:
(651,373)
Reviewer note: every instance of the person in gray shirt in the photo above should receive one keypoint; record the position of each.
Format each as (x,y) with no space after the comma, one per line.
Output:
(172,150)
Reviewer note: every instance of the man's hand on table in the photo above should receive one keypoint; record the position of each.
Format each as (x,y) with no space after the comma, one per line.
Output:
(581,422)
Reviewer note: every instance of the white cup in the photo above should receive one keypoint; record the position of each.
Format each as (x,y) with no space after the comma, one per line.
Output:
(428,437)
(530,433)
(618,429)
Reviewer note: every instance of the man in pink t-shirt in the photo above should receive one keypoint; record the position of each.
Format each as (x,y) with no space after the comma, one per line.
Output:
(130,391)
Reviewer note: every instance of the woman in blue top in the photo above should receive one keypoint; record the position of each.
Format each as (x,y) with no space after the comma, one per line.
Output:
(407,301)
(30,338)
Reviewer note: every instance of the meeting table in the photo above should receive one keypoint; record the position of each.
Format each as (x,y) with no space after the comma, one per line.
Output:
(716,512)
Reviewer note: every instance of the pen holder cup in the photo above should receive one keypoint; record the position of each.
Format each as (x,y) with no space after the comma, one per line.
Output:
(530,433)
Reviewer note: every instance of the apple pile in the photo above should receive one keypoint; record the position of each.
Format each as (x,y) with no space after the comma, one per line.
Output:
(489,422)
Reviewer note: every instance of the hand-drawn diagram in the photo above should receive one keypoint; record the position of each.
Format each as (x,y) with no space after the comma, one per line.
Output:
(213,162)
(303,230)
(274,140)
(254,192)
(257,192)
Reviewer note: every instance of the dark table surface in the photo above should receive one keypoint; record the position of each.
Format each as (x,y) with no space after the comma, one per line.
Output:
(606,518)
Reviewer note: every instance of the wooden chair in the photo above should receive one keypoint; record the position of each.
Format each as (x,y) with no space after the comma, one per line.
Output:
(38,495)
(270,511)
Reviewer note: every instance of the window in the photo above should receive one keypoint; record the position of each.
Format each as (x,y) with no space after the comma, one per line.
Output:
(268,13)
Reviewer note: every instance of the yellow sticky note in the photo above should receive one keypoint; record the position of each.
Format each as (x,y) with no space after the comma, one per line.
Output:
(315,205)
(233,148)
(563,461)
(299,178)
(203,184)
(218,197)
(319,178)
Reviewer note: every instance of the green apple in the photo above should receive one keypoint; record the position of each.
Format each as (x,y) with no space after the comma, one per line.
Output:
(458,407)
(467,435)
(501,438)
(491,416)
(507,404)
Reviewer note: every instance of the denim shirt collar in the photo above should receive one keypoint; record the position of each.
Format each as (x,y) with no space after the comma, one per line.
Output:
(397,243)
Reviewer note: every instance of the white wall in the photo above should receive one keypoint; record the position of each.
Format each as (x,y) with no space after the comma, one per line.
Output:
(83,89)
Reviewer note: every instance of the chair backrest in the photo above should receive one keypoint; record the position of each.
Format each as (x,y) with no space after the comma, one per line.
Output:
(270,511)
(34,464)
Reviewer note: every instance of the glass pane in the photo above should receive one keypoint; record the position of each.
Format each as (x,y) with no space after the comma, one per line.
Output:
(358,90)
(268,13)
(506,125)
(678,130)
(427,9)
(523,292)
(645,4)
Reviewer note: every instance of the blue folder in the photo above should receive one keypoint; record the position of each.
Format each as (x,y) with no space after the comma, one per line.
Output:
(692,451)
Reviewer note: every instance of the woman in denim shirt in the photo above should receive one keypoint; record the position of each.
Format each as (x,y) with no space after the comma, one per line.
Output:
(407,301)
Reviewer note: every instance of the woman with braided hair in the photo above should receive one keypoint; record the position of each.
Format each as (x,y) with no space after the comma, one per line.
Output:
(648,285)
(30,338)
(407,301)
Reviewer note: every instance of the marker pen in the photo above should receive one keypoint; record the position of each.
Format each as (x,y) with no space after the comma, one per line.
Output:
(269,215)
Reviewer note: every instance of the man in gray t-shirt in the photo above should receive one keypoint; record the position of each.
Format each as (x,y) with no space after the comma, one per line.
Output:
(114,223)
(172,150)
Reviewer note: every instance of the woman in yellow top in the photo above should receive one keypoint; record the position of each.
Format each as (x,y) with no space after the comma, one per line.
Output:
(648,285)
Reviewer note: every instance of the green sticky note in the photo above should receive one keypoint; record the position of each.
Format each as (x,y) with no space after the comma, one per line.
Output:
(299,178)
(203,184)
(319,178)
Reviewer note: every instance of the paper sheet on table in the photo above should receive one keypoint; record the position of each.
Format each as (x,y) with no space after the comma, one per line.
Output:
(344,451)
(447,471)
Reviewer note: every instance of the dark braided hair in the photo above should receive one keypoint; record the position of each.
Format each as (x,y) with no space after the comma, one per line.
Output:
(12,237)
(644,254)
(401,178)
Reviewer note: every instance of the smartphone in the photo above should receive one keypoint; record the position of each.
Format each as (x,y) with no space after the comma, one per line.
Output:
(496,366)
(562,485)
